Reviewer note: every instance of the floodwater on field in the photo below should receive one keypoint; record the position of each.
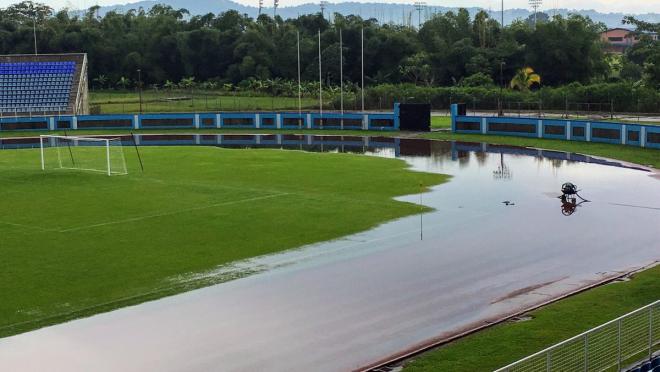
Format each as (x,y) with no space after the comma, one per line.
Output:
(498,242)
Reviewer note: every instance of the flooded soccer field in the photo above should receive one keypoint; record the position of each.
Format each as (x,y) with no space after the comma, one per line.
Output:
(499,241)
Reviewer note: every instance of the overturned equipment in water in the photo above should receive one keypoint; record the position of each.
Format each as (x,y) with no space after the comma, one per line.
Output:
(569,198)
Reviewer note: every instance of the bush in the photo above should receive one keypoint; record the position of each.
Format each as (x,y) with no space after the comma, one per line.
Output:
(624,96)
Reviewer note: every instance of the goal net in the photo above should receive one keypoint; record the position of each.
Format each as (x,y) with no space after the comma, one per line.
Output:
(103,155)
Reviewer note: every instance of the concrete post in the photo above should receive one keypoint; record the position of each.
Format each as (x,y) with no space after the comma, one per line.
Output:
(484,125)
(587,132)
(642,136)
(309,121)
(539,129)
(257,121)
(365,122)
(278,121)
(624,131)
(74,123)
(196,121)
(569,130)
(218,121)
(136,122)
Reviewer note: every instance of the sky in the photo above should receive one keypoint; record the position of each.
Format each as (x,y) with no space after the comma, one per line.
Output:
(623,6)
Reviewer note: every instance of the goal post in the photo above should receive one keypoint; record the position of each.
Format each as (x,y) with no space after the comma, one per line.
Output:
(103,155)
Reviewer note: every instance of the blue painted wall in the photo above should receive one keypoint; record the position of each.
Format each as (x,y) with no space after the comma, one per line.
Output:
(570,130)
(244,120)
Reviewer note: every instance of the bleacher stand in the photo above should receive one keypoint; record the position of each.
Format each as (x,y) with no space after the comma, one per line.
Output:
(32,85)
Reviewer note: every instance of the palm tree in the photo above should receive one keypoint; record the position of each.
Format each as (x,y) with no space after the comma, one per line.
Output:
(524,79)
(123,82)
(101,80)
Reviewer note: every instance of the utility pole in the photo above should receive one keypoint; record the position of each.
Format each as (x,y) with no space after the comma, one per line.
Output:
(276,3)
(535,4)
(324,4)
(261,5)
(419,5)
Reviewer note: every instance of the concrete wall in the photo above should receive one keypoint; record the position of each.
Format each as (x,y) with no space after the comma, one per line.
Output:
(242,120)
(569,130)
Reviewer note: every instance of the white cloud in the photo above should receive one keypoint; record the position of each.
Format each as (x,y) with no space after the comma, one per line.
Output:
(640,6)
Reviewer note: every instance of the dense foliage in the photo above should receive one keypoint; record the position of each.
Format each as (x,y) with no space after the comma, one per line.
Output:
(452,55)
(169,44)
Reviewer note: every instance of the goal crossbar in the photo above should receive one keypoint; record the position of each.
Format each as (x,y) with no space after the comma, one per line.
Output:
(76,140)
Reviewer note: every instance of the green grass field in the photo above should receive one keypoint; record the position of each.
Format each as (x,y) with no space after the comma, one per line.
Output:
(74,243)
(114,102)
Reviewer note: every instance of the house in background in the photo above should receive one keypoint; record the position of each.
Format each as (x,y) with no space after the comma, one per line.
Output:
(617,40)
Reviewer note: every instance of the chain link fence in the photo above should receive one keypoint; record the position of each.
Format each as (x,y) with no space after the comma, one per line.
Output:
(609,347)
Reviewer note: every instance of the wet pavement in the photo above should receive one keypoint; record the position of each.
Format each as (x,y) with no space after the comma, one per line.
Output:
(352,302)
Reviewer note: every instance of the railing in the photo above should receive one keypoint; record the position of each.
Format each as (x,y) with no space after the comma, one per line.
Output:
(608,347)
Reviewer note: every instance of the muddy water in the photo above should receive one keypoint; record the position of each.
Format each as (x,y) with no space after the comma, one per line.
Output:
(346,304)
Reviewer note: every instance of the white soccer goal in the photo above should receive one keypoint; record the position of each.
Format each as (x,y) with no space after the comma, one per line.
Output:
(104,155)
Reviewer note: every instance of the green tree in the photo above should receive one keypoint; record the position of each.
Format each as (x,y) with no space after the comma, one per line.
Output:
(524,79)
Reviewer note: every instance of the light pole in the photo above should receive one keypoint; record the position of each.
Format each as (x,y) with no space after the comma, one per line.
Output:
(139,71)
(500,111)
(502,15)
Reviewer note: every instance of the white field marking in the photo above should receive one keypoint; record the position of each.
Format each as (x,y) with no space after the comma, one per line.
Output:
(172,212)
(31,227)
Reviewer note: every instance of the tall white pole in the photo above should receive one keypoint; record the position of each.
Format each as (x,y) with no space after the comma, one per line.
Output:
(341,76)
(320,83)
(299,85)
(34,33)
(107,154)
(41,145)
(362,87)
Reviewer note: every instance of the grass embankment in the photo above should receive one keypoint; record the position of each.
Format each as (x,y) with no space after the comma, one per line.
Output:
(73,243)
(507,342)
(642,156)
(115,102)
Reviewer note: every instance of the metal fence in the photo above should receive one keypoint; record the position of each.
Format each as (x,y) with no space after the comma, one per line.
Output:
(608,347)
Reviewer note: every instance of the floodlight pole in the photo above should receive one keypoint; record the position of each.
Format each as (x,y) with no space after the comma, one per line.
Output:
(320,84)
(362,72)
(341,77)
(502,15)
(139,71)
(34,33)
(41,145)
(500,111)
(299,85)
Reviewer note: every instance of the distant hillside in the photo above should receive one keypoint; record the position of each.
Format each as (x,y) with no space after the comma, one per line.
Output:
(384,12)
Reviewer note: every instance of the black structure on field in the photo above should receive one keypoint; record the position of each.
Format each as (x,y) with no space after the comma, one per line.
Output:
(415,117)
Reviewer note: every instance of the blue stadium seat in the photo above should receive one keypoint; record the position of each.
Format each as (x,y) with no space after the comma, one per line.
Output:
(655,362)
(35,86)
(646,367)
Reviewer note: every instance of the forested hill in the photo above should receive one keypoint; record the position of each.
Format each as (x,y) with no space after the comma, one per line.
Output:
(383,12)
